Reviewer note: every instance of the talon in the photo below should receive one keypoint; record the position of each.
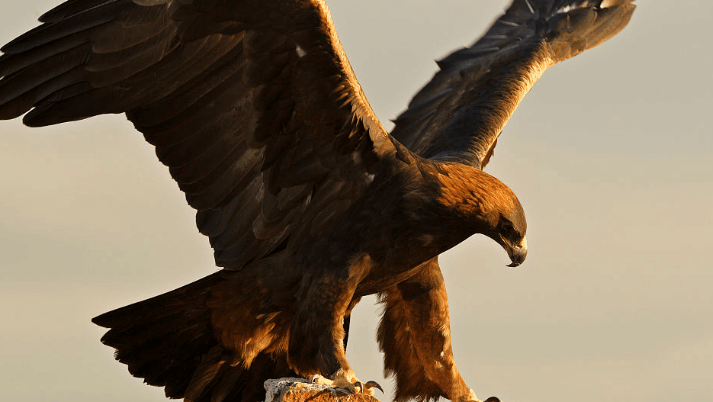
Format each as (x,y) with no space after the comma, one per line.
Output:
(492,399)
(346,383)
(374,384)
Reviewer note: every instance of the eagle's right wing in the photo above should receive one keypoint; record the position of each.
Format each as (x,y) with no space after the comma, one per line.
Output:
(460,113)
(251,104)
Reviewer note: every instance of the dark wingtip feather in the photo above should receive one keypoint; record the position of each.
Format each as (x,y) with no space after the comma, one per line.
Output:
(69,8)
(573,31)
(102,320)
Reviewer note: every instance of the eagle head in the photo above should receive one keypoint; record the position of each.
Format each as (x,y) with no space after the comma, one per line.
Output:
(483,204)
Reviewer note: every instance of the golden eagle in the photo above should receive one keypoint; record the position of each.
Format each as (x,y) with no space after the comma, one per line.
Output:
(308,202)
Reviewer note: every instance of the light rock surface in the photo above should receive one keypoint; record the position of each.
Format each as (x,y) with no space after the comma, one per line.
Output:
(301,390)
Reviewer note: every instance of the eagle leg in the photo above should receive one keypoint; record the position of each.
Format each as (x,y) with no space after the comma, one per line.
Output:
(414,335)
(317,333)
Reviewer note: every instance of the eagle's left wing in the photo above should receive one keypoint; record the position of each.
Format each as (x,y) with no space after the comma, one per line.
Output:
(460,113)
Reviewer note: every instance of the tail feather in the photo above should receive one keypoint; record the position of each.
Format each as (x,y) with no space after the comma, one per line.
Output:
(207,374)
(137,336)
(230,386)
(163,339)
(170,341)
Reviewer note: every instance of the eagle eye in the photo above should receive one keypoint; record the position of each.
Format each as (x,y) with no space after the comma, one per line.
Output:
(507,226)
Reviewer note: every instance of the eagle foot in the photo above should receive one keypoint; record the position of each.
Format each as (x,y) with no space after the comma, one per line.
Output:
(344,382)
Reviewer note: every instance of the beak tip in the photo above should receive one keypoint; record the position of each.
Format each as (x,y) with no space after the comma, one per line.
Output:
(518,254)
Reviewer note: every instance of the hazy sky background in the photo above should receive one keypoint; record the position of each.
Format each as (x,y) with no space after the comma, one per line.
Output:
(610,155)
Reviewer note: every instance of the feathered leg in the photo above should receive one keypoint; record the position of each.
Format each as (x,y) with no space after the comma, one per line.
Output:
(415,337)
(317,334)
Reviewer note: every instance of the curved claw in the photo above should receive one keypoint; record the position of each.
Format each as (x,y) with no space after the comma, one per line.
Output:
(374,384)
(368,386)
(492,399)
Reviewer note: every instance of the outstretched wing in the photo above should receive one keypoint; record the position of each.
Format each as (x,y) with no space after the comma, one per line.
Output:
(251,104)
(460,113)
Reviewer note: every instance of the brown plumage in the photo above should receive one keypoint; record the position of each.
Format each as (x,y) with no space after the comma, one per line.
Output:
(309,204)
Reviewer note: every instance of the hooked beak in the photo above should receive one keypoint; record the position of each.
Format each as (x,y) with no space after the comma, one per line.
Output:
(518,253)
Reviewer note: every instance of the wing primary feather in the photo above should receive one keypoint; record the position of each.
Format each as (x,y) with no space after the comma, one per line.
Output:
(71,7)
(13,63)
(36,75)
(70,26)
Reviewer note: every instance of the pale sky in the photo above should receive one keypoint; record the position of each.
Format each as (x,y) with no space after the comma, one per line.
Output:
(610,155)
